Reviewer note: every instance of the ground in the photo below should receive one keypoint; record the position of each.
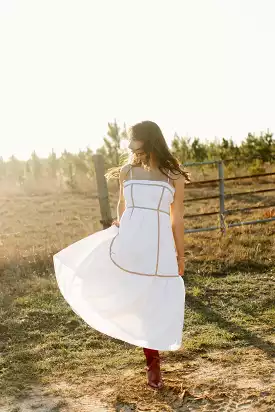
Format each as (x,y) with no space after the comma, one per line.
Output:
(52,361)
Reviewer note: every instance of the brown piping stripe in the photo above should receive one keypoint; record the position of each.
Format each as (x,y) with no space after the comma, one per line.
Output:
(157,264)
(147,208)
(148,184)
(157,210)
(136,273)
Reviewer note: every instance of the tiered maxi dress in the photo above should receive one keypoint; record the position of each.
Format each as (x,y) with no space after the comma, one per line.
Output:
(124,281)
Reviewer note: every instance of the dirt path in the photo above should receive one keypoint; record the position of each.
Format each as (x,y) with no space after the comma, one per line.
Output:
(220,382)
(199,400)
(40,401)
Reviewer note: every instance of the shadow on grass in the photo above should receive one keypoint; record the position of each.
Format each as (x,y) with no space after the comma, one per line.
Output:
(208,269)
(213,316)
(20,366)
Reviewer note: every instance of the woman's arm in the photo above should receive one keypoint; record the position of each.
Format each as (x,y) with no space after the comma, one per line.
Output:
(121,199)
(177,220)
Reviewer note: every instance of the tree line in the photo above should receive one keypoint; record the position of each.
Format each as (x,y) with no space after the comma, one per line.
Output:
(70,168)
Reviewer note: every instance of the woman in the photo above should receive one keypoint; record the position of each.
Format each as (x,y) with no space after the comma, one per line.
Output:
(125,281)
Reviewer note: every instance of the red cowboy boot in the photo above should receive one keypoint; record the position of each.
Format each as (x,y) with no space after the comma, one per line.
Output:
(153,368)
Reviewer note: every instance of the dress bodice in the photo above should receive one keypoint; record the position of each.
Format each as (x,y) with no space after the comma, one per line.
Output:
(144,244)
(148,194)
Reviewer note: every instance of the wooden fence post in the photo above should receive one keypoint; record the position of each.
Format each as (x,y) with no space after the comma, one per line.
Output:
(102,189)
(221,189)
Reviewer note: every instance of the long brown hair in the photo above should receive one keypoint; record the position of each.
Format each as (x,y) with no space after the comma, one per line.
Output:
(153,143)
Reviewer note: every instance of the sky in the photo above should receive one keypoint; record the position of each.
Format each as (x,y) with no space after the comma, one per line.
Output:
(198,68)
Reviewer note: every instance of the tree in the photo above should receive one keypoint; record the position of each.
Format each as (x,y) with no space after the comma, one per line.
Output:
(198,151)
(15,169)
(3,171)
(68,168)
(180,147)
(258,146)
(111,150)
(53,164)
(36,166)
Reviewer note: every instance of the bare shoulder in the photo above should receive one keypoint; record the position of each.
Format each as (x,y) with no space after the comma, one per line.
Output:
(177,179)
(124,171)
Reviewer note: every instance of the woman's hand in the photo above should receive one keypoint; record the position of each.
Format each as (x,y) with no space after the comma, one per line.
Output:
(116,223)
(181,267)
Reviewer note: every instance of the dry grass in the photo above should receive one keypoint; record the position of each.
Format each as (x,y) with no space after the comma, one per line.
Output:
(227,359)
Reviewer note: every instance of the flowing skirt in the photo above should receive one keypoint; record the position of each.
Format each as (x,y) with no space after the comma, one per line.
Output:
(146,311)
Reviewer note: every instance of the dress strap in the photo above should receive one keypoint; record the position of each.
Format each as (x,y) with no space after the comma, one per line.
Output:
(131,172)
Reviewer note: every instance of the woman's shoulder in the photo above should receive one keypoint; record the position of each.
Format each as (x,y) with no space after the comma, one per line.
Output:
(126,167)
(176,178)
(124,170)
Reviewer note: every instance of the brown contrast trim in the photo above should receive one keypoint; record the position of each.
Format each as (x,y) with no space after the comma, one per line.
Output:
(132,195)
(148,208)
(149,184)
(157,264)
(136,273)
(133,204)
(131,182)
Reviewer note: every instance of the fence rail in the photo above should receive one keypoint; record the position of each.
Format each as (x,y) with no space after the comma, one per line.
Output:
(227,179)
(222,212)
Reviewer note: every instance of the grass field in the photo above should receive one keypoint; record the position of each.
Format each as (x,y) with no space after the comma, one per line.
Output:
(52,361)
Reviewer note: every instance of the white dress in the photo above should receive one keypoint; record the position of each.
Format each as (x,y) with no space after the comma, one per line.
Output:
(124,281)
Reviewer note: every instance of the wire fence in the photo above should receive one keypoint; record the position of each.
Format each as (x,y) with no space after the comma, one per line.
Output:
(222,212)
(222,196)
